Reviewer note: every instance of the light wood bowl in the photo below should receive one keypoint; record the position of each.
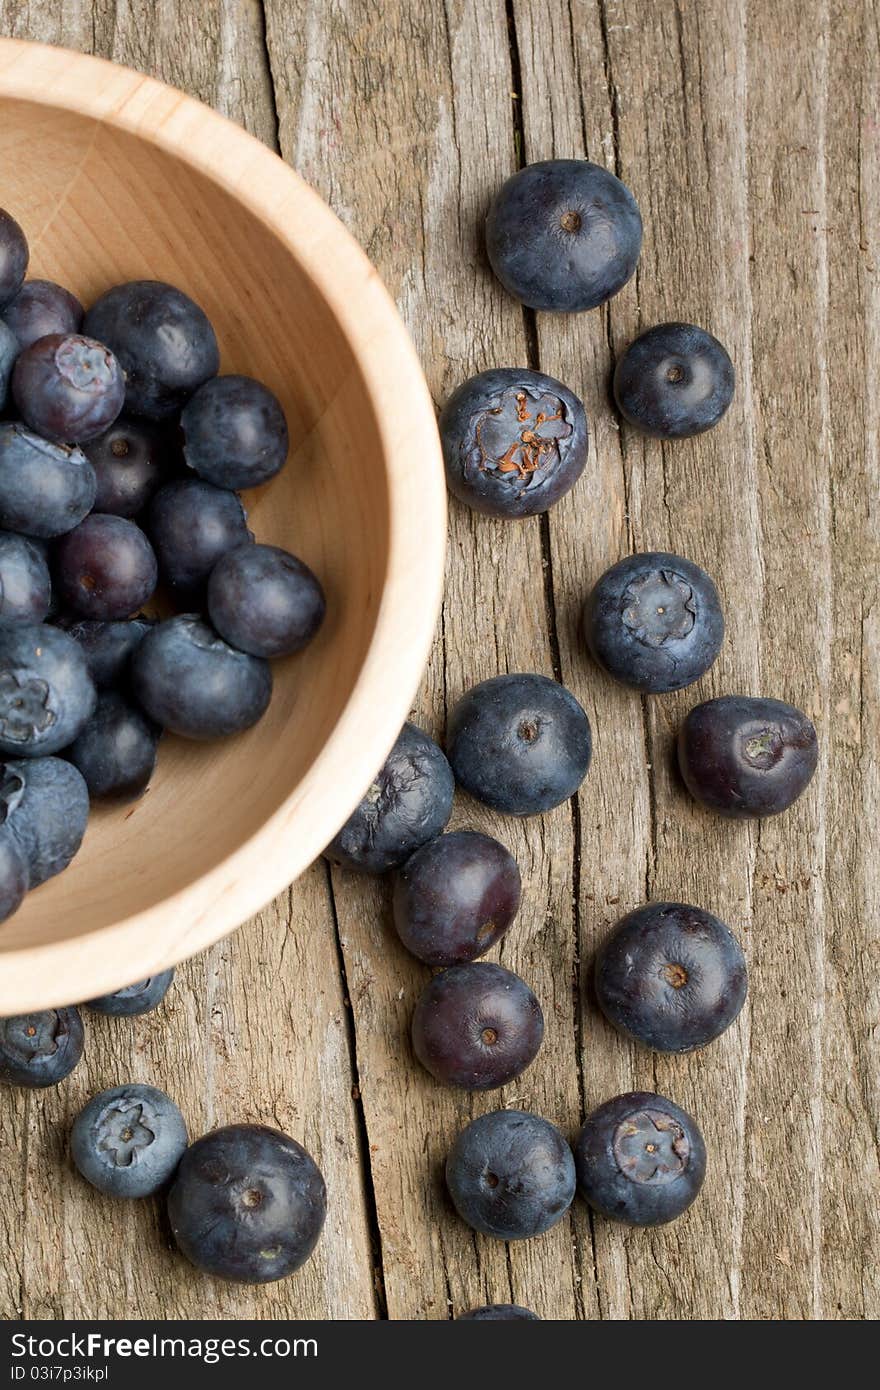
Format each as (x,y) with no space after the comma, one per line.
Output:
(115,177)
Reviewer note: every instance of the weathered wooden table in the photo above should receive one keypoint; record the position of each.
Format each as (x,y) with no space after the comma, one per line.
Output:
(750,133)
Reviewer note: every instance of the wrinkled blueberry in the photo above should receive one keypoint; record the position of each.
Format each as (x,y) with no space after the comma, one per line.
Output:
(407,804)
(235,433)
(41,307)
(13,257)
(192,524)
(14,875)
(563,234)
(248,1204)
(116,750)
(477,1026)
(44,804)
(514,442)
(654,621)
(510,1175)
(747,757)
(519,743)
(38,1050)
(67,387)
(265,601)
(674,381)
(140,998)
(455,897)
(45,489)
(499,1312)
(193,683)
(105,568)
(128,1141)
(107,647)
(640,1159)
(46,692)
(25,582)
(671,976)
(132,459)
(9,350)
(163,340)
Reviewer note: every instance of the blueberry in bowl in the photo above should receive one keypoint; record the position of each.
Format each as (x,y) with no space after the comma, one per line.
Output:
(14,255)
(127,1141)
(234,432)
(46,692)
(265,601)
(67,387)
(116,749)
(133,1000)
(456,897)
(40,1049)
(640,1159)
(131,459)
(511,1175)
(41,307)
(674,381)
(499,1312)
(745,757)
(191,682)
(477,1026)
(654,622)
(25,581)
(44,805)
(192,525)
(45,489)
(14,875)
(107,646)
(105,568)
(514,442)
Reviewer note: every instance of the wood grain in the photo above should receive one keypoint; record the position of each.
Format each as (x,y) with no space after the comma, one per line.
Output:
(750,133)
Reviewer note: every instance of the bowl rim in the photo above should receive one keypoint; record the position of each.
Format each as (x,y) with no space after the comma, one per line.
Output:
(188,921)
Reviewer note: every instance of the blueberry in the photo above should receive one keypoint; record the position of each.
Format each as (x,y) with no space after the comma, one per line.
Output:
(44,804)
(514,442)
(116,750)
(519,743)
(671,976)
(674,381)
(265,601)
(192,682)
(477,1026)
(128,1141)
(235,433)
(654,622)
(38,1050)
(163,340)
(499,1312)
(407,804)
(13,257)
(107,647)
(563,235)
(67,388)
(105,568)
(14,875)
(140,998)
(132,459)
(640,1159)
(46,692)
(192,525)
(25,582)
(248,1204)
(455,897)
(41,307)
(746,757)
(511,1175)
(45,489)
(9,350)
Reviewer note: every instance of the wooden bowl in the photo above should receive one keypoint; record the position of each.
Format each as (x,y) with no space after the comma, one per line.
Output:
(116,177)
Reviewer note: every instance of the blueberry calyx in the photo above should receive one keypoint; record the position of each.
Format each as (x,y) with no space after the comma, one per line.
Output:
(123,1133)
(651,1147)
(519,436)
(24,706)
(658,607)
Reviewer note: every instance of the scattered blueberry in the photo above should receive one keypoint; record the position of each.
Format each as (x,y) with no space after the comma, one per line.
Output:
(44,804)
(640,1159)
(193,683)
(674,381)
(477,1026)
(564,235)
(128,1141)
(14,875)
(45,489)
(455,897)
(41,307)
(116,750)
(132,459)
(193,524)
(107,647)
(9,350)
(747,757)
(671,976)
(163,340)
(235,433)
(67,388)
(519,743)
(265,601)
(140,998)
(511,1175)
(499,1312)
(38,1050)
(248,1204)
(407,804)
(25,582)
(105,568)
(13,257)
(654,622)
(46,692)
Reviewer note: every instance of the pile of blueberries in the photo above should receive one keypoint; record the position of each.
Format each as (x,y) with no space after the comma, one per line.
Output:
(247,1202)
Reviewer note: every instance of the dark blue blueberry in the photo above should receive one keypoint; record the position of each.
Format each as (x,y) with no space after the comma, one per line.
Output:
(477,1026)
(25,582)
(41,307)
(46,692)
(45,489)
(163,340)
(44,804)
(519,743)
(674,381)
(747,757)
(9,350)
(248,1204)
(407,804)
(107,647)
(499,1312)
(132,459)
(105,568)
(67,387)
(235,433)
(139,998)
(265,601)
(654,621)
(38,1050)
(15,878)
(13,257)
(563,235)
(128,1141)
(455,897)
(511,1175)
(192,524)
(116,750)
(193,683)
(671,976)
(640,1159)
(514,442)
